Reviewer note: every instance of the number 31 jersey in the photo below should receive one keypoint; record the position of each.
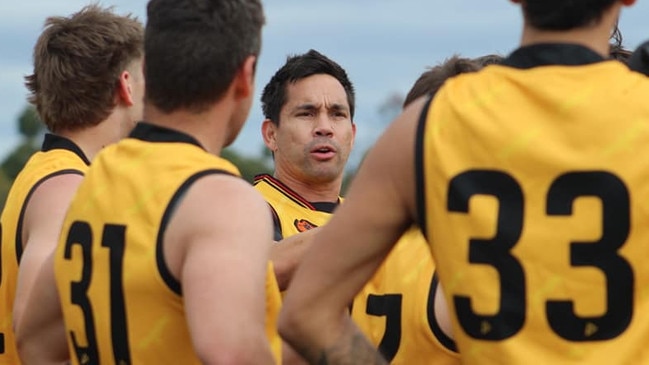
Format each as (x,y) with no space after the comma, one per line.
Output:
(121,304)
(533,180)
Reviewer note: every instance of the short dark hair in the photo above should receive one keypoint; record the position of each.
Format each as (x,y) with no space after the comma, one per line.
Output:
(77,64)
(194,48)
(564,14)
(431,80)
(616,49)
(490,59)
(639,60)
(296,68)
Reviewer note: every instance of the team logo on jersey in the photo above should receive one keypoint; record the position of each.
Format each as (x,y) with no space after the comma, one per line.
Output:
(303,225)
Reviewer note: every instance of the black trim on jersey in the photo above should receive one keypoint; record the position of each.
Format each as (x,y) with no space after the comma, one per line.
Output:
(327,207)
(165,273)
(277,225)
(56,142)
(420,181)
(549,54)
(154,133)
(21,217)
(443,339)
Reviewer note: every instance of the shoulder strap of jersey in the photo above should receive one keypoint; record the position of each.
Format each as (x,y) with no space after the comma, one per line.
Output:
(277,226)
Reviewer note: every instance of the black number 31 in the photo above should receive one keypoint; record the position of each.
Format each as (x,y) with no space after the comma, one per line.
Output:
(113,238)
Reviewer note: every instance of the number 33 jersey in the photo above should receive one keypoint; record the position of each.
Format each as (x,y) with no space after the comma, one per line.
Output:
(533,181)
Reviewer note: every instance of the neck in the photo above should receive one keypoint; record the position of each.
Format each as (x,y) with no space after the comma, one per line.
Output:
(92,139)
(209,128)
(312,191)
(595,37)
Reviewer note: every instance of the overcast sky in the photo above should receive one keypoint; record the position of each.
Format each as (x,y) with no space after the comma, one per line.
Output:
(383,44)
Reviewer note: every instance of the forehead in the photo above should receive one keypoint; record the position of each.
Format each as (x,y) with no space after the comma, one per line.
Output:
(316,89)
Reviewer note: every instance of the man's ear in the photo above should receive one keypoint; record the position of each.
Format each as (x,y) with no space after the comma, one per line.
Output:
(627,2)
(269,133)
(245,79)
(124,92)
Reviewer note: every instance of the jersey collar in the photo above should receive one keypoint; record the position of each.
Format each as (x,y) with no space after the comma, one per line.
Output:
(56,142)
(552,54)
(154,133)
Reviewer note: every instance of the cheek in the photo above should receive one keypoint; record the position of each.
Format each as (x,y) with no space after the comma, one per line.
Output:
(348,138)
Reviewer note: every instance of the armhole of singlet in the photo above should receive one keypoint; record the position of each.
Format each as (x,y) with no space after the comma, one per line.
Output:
(277,225)
(163,269)
(23,209)
(441,337)
(420,187)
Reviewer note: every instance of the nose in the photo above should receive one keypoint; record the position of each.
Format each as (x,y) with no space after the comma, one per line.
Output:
(324,126)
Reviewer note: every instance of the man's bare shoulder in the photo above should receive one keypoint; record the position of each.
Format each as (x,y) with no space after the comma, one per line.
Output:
(219,202)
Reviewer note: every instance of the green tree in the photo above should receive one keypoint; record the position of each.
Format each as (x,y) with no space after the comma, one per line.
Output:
(248,166)
(5,185)
(29,127)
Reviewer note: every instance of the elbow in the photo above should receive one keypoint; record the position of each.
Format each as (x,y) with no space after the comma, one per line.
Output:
(250,352)
(22,346)
(283,273)
(290,325)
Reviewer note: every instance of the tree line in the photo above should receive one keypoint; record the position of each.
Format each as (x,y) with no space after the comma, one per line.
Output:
(32,130)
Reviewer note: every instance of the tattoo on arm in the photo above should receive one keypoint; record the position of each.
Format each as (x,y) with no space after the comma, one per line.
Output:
(352,348)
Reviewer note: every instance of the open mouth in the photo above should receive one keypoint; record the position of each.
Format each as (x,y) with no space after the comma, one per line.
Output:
(323,152)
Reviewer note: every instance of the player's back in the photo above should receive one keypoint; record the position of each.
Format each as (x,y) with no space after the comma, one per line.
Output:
(58,156)
(119,299)
(396,308)
(534,185)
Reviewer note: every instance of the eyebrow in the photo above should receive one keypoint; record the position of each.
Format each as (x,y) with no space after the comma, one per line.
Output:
(309,107)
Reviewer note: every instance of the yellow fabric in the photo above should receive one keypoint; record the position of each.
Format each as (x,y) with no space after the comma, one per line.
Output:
(406,274)
(38,168)
(545,151)
(122,207)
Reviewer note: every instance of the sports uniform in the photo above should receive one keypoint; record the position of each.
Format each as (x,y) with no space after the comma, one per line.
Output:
(531,190)
(58,156)
(394,309)
(120,302)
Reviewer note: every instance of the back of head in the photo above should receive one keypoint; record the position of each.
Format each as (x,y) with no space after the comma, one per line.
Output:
(491,59)
(296,68)
(194,49)
(430,81)
(77,64)
(558,15)
(616,49)
(639,60)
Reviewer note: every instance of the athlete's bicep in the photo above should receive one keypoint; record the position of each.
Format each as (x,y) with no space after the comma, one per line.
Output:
(43,219)
(225,230)
(40,333)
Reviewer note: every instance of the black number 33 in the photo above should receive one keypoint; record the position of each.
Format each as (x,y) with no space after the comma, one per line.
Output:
(496,252)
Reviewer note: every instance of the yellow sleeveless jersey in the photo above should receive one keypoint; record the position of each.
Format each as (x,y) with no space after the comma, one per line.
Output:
(394,310)
(121,304)
(532,185)
(58,156)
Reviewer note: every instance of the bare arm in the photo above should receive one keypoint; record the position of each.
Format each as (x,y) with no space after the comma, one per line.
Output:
(287,254)
(218,245)
(41,335)
(379,208)
(42,226)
